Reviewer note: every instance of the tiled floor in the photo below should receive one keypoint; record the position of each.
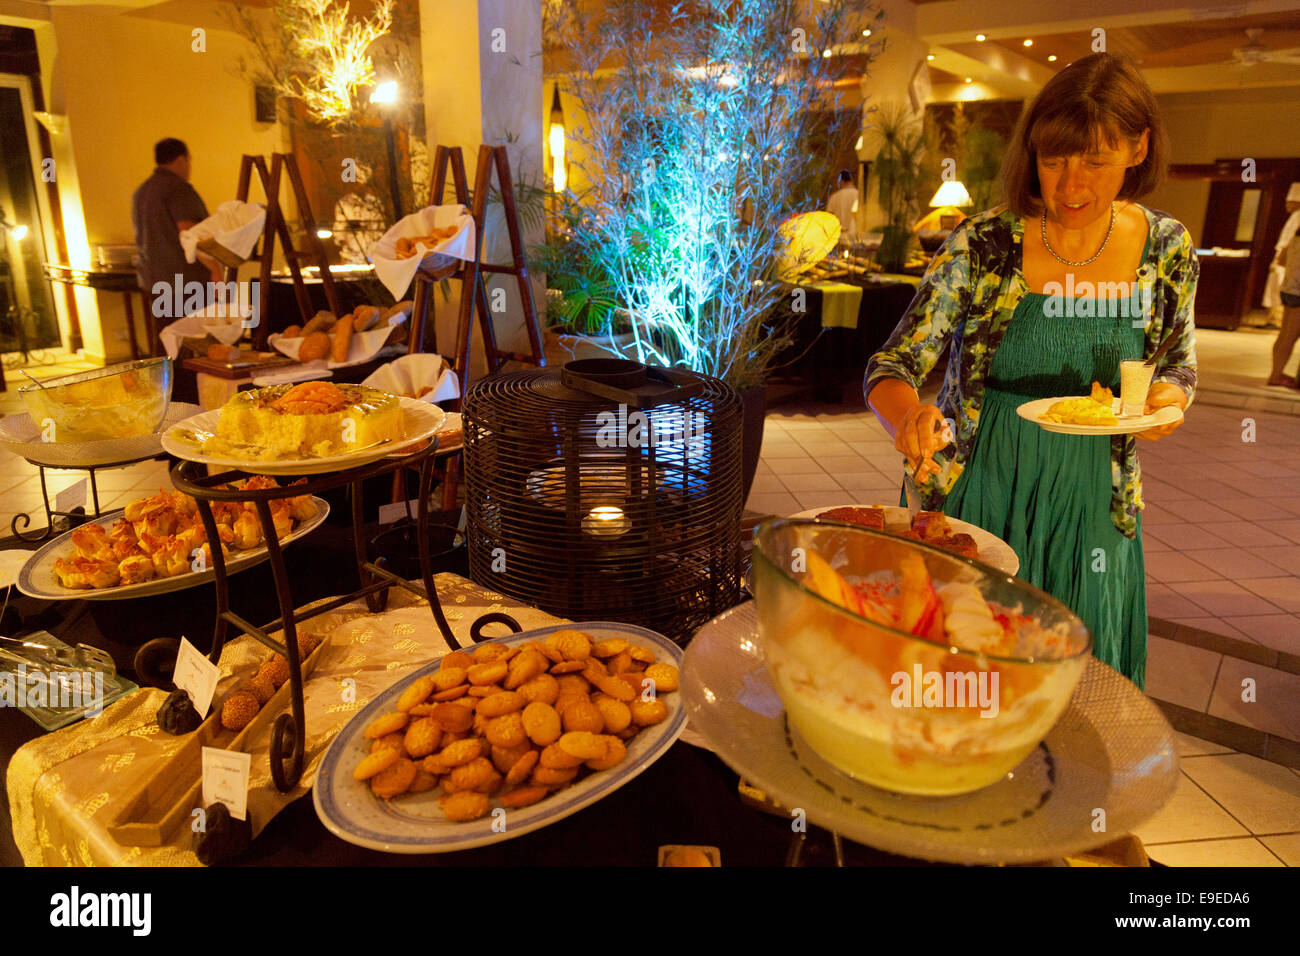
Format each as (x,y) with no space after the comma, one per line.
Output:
(1230,809)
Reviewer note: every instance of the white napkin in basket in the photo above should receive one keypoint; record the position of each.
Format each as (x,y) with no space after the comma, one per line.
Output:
(410,373)
(397,274)
(235,225)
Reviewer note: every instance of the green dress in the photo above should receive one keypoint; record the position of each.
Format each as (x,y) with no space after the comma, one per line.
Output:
(1048,495)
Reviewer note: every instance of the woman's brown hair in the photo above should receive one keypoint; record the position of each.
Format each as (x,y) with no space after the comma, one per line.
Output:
(1098,101)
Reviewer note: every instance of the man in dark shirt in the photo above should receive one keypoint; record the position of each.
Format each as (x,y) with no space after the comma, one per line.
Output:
(164,206)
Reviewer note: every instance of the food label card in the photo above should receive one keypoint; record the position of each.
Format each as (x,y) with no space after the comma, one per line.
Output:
(225,780)
(196,675)
(397,511)
(73,496)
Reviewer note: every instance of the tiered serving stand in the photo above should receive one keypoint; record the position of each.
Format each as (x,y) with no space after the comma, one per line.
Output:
(288,735)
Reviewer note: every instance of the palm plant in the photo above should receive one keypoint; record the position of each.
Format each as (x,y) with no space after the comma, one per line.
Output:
(900,138)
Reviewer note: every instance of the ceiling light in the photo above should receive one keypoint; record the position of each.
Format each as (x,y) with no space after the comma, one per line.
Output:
(929,56)
(324,233)
(1029,43)
(866,33)
(826,53)
(1052,58)
(968,79)
(980,37)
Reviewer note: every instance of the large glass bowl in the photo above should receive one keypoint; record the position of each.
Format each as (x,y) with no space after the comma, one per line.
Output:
(906,713)
(117,401)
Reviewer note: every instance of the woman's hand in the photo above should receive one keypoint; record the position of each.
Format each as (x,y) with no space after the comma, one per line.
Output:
(1162,395)
(922,432)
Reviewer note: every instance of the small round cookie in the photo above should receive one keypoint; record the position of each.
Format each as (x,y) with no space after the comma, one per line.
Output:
(583,715)
(647,712)
(417,693)
(423,781)
(453,717)
(541,723)
(422,737)
(543,687)
(387,724)
(488,673)
(523,797)
(375,763)
(506,730)
(664,676)
(548,777)
(522,768)
(445,678)
(583,745)
(461,752)
(465,805)
(553,758)
(615,751)
(501,703)
(394,780)
(459,659)
(395,740)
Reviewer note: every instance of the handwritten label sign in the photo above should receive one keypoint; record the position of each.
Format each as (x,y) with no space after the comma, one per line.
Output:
(225,780)
(196,675)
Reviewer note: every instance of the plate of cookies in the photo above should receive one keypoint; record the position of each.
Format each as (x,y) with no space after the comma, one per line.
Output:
(496,741)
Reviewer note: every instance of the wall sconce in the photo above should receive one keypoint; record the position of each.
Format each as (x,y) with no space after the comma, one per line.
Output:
(555,135)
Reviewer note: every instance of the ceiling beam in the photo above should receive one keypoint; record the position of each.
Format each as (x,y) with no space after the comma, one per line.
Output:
(957,21)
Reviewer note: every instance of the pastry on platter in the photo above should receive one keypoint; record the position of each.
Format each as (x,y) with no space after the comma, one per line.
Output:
(308,420)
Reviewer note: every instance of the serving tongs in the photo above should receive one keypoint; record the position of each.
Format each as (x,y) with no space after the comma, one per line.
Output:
(82,657)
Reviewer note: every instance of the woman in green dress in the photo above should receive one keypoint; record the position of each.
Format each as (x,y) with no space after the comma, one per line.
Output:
(1041,298)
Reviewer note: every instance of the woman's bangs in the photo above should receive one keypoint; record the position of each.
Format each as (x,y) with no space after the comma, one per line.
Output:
(1068,134)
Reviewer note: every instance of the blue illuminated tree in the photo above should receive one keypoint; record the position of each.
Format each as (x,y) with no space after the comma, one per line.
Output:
(705,129)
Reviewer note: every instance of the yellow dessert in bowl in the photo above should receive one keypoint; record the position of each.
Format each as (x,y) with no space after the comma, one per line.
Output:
(308,420)
(905,666)
(117,401)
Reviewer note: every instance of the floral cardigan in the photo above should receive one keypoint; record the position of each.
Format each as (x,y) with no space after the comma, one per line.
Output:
(965,303)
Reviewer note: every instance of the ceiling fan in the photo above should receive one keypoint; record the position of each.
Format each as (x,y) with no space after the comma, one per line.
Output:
(1255,52)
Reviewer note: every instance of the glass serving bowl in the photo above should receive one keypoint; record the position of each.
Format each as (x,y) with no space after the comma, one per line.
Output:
(117,401)
(938,715)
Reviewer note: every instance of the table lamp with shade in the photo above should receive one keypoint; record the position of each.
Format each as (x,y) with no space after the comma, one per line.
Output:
(945,213)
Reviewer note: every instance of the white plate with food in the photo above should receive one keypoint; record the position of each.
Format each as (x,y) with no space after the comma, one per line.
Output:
(992,550)
(414,822)
(1111,751)
(40,579)
(1081,415)
(304,429)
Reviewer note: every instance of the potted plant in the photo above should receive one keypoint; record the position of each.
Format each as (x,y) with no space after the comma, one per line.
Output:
(703,131)
(900,138)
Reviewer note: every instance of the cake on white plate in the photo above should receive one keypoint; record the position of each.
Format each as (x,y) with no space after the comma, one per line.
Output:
(308,420)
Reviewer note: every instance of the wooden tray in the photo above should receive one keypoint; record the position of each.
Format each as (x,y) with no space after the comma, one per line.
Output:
(149,815)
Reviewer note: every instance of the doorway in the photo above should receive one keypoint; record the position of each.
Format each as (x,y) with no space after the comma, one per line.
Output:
(28,322)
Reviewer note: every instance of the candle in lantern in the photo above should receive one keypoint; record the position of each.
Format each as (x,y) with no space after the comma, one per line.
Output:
(605,521)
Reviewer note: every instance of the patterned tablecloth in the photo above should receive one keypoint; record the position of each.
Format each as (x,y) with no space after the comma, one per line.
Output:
(65,787)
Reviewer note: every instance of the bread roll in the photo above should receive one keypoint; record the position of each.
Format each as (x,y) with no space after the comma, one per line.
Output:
(222,353)
(292,332)
(314,346)
(322,321)
(365,317)
(342,339)
(404,308)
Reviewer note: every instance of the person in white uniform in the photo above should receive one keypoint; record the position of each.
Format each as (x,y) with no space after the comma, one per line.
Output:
(843,205)
(1272,300)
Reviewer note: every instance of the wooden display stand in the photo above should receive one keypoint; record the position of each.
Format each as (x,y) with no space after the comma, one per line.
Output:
(473,292)
(276,226)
